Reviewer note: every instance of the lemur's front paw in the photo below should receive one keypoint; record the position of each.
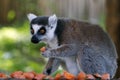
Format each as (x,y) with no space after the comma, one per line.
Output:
(46,53)
(47,71)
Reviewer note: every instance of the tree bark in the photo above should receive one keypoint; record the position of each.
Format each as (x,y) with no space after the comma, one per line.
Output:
(113,26)
(4,8)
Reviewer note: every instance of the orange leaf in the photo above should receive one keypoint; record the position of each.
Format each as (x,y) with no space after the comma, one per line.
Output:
(42,49)
(58,76)
(105,76)
(16,74)
(90,76)
(39,76)
(81,76)
(2,75)
(68,76)
(29,75)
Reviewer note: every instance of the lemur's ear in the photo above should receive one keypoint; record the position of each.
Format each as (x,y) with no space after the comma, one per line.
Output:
(31,16)
(53,21)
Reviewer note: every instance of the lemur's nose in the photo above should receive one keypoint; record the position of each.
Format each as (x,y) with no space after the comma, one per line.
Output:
(34,39)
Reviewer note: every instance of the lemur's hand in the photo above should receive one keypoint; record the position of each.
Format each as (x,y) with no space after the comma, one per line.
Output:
(46,53)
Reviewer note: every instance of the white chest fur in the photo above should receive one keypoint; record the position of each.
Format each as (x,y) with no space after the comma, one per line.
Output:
(53,43)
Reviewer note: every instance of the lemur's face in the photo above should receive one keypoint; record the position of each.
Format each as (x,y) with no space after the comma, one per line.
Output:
(42,28)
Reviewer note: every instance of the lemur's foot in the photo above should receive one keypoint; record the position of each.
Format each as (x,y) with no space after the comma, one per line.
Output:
(47,71)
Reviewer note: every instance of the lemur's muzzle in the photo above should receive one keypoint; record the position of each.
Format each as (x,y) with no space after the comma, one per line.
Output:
(34,39)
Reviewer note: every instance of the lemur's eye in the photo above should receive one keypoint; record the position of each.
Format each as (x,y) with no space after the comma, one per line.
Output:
(32,31)
(42,31)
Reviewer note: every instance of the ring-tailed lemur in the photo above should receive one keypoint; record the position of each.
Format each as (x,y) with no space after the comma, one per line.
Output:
(76,45)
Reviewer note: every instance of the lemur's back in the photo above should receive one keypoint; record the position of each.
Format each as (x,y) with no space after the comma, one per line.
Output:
(96,47)
(88,34)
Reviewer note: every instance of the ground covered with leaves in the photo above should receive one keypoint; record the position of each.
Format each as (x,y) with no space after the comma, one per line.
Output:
(20,75)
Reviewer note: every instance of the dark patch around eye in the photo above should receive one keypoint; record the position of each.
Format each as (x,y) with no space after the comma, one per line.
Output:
(42,31)
(32,31)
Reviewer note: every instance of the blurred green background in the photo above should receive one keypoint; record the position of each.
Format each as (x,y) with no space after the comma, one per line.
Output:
(16,50)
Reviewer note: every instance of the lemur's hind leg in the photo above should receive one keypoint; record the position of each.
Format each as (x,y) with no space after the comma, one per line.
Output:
(90,62)
(51,66)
